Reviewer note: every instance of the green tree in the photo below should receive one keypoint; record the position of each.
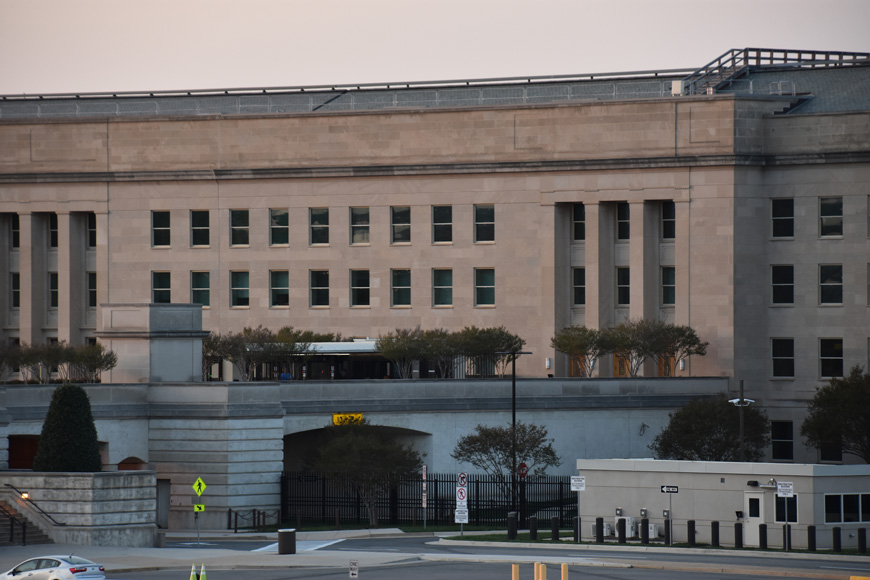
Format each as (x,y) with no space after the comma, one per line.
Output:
(89,360)
(634,341)
(402,347)
(840,413)
(369,458)
(709,430)
(491,450)
(440,350)
(69,436)
(674,344)
(486,349)
(583,346)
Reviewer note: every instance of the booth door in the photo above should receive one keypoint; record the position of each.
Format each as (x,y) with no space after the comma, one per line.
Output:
(753,516)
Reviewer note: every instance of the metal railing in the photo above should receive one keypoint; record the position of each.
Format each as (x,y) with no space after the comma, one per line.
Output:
(733,63)
(34,505)
(13,522)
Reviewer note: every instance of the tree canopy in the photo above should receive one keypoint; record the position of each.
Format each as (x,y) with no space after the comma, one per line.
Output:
(582,345)
(840,413)
(69,436)
(368,457)
(491,450)
(709,430)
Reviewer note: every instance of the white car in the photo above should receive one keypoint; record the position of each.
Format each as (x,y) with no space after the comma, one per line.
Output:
(56,568)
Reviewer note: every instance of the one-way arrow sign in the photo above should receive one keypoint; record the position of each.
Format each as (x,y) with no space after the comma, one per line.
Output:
(670,489)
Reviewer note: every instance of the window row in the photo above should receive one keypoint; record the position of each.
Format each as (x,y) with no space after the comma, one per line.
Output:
(830,217)
(667,221)
(52,231)
(240,225)
(847,507)
(53,292)
(668,290)
(830,357)
(359,288)
(830,281)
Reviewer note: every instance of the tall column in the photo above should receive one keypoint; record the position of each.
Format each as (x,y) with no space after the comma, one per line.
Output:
(102,265)
(34,292)
(643,260)
(683,263)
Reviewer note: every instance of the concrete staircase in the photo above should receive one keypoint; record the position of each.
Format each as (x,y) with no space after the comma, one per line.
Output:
(16,530)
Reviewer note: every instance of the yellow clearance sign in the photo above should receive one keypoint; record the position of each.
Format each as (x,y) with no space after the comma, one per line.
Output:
(347,418)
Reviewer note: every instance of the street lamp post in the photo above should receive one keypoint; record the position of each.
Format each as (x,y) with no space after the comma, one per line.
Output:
(740,403)
(513,354)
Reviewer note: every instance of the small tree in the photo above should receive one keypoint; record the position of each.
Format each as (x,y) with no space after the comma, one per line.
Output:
(69,436)
(840,413)
(486,348)
(88,361)
(583,346)
(635,341)
(676,343)
(440,349)
(9,355)
(369,458)
(402,347)
(491,450)
(709,430)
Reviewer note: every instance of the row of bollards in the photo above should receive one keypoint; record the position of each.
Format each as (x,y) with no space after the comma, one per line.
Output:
(540,571)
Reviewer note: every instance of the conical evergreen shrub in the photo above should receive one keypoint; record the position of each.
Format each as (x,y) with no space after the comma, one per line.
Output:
(69,437)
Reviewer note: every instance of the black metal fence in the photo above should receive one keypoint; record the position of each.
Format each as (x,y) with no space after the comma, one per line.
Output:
(327,499)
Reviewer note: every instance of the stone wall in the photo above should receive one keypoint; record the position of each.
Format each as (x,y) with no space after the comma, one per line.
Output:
(92,509)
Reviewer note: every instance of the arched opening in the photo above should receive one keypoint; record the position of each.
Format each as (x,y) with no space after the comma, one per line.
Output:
(132,464)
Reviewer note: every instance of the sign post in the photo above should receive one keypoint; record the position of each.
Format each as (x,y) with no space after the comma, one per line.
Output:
(578,484)
(199,487)
(670,490)
(785,490)
(425,497)
(461,513)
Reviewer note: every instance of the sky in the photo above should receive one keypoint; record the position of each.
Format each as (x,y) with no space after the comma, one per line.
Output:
(81,46)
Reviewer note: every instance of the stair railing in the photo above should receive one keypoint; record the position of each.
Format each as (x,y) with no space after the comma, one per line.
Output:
(34,505)
(13,521)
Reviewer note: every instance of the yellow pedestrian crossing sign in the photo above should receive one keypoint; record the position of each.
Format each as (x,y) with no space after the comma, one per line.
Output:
(199,486)
(198,507)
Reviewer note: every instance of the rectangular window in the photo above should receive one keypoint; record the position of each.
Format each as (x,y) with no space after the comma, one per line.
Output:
(279,227)
(669,220)
(92,230)
(782,284)
(623,287)
(442,287)
(318,220)
(400,224)
(484,223)
(782,440)
(579,284)
(199,228)
(401,285)
(279,288)
(160,231)
(484,287)
(442,224)
(360,292)
(831,284)
(669,286)
(359,225)
(319,285)
(831,216)
(240,289)
(240,230)
(782,356)
(851,507)
(161,287)
(200,288)
(92,289)
(52,230)
(15,231)
(579,220)
(53,297)
(831,357)
(15,286)
(847,508)
(786,505)
(623,224)
(782,218)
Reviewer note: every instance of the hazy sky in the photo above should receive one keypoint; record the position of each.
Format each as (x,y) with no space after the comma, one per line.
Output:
(49,46)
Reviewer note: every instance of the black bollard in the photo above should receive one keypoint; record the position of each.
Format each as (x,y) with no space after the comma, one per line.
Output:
(599,530)
(714,534)
(811,538)
(512,525)
(786,537)
(690,530)
(533,528)
(762,536)
(667,532)
(554,528)
(576,529)
(862,540)
(644,531)
(838,540)
(738,535)
(620,531)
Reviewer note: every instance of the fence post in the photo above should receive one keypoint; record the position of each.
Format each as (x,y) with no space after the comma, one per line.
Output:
(762,536)
(738,535)
(690,530)
(714,534)
(554,528)
(811,538)
(599,530)
(577,529)
(533,527)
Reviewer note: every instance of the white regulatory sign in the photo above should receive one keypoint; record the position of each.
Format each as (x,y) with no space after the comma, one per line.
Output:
(353,569)
(578,483)
(784,489)
(461,516)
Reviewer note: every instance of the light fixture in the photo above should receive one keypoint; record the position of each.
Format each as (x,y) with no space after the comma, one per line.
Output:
(25,495)
(548,362)
(682,365)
